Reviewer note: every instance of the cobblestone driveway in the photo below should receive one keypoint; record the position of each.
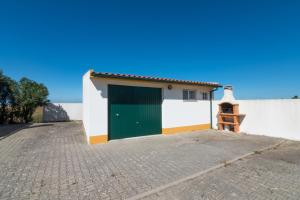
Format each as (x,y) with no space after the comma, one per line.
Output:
(272,175)
(53,161)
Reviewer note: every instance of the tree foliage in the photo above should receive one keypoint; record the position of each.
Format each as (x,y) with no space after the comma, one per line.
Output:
(19,100)
(31,95)
(7,97)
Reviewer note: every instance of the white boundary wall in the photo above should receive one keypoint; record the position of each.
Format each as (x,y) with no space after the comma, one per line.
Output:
(55,112)
(276,118)
(74,110)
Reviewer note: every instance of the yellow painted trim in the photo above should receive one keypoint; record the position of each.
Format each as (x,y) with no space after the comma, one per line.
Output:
(180,129)
(98,139)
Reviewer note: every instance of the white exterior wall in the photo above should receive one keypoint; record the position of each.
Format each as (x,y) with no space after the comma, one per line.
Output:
(276,118)
(86,103)
(175,111)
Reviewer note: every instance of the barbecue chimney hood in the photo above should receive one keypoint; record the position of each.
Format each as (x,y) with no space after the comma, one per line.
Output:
(228,95)
(228,115)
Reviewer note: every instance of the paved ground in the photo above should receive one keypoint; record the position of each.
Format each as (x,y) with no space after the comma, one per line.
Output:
(271,175)
(53,161)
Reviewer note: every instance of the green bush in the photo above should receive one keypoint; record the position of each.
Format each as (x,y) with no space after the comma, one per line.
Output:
(37,116)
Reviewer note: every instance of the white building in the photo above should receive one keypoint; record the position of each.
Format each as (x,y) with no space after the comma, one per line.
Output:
(120,106)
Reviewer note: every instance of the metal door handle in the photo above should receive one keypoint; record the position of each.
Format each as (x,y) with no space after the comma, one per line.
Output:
(137,122)
(117,115)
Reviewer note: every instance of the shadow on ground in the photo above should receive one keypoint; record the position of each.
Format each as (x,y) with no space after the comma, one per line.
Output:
(9,129)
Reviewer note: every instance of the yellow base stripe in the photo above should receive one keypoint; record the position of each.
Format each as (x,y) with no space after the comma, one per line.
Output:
(98,139)
(102,139)
(180,129)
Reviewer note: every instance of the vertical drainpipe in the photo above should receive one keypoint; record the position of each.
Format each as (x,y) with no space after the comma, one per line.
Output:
(211,106)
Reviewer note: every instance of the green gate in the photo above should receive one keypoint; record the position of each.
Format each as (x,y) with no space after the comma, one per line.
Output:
(133,111)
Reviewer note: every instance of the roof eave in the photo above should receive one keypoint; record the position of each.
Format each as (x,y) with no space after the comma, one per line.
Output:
(100,75)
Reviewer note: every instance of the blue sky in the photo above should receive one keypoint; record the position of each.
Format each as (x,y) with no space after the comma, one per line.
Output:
(252,44)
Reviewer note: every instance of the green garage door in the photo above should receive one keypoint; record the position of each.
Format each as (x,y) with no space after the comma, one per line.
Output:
(133,111)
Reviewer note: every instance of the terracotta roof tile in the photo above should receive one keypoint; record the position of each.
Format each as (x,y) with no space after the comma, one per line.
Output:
(153,79)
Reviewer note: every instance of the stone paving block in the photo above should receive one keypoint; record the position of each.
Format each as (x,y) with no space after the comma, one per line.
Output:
(53,161)
(270,175)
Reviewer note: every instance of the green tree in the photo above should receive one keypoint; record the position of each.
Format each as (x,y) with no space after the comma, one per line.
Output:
(30,96)
(3,94)
(7,97)
(295,97)
(13,112)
